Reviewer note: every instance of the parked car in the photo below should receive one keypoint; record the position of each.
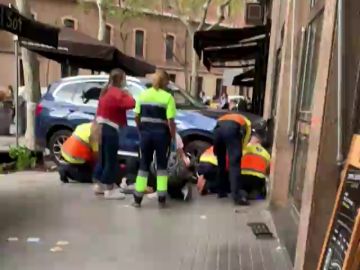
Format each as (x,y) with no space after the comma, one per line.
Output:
(73,100)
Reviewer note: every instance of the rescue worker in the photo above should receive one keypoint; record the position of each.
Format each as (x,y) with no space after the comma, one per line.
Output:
(155,112)
(207,170)
(79,154)
(231,134)
(255,165)
(180,174)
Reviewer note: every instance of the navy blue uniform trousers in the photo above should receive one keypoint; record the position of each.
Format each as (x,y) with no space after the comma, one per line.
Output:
(228,139)
(156,139)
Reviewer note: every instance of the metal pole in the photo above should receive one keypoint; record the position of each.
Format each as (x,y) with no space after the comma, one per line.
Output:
(340,33)
(16,47)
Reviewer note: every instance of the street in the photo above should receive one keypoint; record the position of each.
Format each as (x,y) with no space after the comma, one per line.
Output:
(37,212)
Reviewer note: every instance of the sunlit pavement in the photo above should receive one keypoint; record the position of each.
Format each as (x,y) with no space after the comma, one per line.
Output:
(47,225)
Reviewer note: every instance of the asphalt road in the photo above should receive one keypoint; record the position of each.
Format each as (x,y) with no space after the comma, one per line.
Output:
(47,225)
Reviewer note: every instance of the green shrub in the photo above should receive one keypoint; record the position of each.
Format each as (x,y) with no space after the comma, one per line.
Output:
(23,158)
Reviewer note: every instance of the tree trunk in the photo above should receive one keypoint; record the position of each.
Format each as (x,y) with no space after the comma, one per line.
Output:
(102,20)
(32,82)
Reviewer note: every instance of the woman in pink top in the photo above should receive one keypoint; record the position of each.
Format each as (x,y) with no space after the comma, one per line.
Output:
(111,116)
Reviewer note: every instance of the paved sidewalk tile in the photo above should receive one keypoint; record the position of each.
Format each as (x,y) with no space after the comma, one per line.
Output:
(206,234)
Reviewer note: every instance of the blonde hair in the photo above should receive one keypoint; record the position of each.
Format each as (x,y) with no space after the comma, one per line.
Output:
(116,76)
(160,79)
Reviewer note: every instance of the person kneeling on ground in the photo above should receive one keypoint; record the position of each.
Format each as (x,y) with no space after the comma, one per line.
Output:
(79,154)
(207,173)
(255,166)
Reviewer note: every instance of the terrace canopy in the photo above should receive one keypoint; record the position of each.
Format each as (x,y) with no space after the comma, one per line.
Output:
(82,51)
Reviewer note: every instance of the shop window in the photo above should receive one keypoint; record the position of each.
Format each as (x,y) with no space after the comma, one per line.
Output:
(169,47)
(307,76)
(172,77)
(139,43)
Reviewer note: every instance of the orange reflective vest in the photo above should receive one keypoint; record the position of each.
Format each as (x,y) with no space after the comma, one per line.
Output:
(255,161)
(76,149)
(209,157)
(242,121)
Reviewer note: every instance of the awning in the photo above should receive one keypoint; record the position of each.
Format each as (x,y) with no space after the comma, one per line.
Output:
(225,37)
(245,79)
(12,21)
(239,53)
(82,51)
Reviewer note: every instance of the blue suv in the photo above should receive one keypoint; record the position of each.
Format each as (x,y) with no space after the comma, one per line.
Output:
(73,100)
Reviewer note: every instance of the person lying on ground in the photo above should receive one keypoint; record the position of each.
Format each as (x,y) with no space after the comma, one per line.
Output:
(79,156)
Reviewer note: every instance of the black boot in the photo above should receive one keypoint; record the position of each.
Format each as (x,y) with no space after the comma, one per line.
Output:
(137,201)
(63,176)
(162,201)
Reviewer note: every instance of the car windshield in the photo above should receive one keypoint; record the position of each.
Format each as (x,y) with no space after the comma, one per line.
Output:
(183,99)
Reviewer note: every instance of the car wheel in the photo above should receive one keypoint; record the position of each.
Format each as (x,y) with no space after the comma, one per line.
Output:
(55,143)
(196,148)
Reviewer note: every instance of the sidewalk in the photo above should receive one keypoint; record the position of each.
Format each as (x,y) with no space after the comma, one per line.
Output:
(205,234)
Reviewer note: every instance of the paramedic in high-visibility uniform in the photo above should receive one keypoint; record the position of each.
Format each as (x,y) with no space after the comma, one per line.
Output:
(79,155)
(155,112)
(255,165)
(231,135)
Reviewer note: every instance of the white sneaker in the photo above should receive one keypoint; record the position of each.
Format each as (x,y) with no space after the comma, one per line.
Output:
(114,194)
(123,184)
(98,189)
(152,196)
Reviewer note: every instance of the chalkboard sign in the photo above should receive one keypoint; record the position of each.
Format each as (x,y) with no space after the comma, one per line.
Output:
(343,235)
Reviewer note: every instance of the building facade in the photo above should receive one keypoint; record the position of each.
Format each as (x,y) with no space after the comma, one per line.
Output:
(156,37)
(314,117)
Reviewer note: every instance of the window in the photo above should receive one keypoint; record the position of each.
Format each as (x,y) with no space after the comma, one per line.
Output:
(180,99)
(219,83)
(108,34)
(88,93)
(66,69)
(307,76)
(139,43)
(69,23)
(66,92)
(172,77)
(133,88)
(169,47)
(21,75)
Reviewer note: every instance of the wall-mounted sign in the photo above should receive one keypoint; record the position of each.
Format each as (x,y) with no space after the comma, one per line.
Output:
(12,21)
